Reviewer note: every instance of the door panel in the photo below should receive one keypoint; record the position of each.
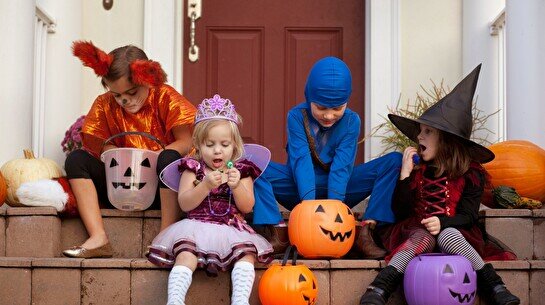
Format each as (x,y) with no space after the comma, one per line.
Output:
(258,54)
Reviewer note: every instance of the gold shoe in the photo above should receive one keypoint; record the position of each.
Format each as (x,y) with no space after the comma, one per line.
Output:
(81,252)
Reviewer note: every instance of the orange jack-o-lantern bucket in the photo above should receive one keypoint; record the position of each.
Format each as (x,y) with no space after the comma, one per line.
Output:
(283,284)
(131,176)
(322,228)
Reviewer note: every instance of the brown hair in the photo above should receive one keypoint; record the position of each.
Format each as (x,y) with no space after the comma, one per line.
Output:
(453,157)
(122,58)
(200,133)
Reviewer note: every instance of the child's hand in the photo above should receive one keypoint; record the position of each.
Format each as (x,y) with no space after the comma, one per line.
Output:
(407,163)
(233,177)
(213,179)
(432,224)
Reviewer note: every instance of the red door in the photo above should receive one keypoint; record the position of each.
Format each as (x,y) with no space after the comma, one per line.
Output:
(258,53)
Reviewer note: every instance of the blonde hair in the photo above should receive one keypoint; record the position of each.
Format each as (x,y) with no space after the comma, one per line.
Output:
(202,128)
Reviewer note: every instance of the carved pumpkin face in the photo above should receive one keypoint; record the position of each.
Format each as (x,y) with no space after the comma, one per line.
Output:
(282,285)
(322,228)
(131,177)
(440,279)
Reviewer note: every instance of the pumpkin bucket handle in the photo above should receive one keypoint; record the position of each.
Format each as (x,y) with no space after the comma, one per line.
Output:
(319,188)
(287,255)
(127,133)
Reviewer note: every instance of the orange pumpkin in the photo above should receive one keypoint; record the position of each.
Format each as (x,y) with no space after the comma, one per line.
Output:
(518,164)
(3,189)
(283,284)
(322,228)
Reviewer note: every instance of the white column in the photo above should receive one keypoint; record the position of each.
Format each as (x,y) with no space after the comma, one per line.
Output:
(478,46)
(525,70)
(382,74)
(163,32)
(16,59)
(64,75)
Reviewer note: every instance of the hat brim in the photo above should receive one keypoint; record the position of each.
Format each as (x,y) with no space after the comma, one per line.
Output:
(411,128)
(259,155)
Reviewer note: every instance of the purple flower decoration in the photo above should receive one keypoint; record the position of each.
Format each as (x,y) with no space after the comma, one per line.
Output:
(216,103)
(72,137)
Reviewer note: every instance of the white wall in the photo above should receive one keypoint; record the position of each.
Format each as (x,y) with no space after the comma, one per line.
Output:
(16,82)
(431,44)
(408,44)
(120,26)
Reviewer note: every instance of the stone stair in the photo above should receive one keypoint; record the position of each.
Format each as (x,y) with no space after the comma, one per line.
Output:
(33,271)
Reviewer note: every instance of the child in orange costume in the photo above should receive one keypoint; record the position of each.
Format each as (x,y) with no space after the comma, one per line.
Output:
(137,100)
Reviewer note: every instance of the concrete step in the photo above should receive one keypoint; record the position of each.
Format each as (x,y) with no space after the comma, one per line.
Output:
(40,232)
(48,281)
(521,229)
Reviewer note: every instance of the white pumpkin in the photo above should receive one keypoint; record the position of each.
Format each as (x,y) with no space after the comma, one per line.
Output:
(29,169)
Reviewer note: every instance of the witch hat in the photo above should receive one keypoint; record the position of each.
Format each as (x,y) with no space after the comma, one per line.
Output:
(451,114)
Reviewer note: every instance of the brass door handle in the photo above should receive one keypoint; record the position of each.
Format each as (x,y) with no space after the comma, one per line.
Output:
(194,8)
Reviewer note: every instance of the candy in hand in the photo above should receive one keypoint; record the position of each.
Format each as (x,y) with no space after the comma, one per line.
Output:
(229,164)
(416,159)
(224,177)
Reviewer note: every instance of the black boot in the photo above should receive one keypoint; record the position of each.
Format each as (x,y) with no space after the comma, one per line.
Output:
(382,287)
(491,285)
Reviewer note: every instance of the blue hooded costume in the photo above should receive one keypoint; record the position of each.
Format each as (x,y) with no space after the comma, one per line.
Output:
(321,160)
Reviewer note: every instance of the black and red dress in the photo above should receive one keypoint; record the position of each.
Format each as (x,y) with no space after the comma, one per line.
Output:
(454,201)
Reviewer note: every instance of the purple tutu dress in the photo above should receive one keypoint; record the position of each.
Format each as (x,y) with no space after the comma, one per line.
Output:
(215,231)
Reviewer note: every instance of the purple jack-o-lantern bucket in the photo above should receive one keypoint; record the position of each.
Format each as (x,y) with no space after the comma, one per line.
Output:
(432,279)
(131,175)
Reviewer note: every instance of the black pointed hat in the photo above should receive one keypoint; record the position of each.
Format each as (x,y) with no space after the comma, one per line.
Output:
(451,114)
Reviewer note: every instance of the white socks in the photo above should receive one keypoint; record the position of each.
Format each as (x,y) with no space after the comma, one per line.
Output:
(179,281)
(242,277)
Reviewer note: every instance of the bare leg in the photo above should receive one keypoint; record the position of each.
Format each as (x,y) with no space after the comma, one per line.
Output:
(250,258)
(170,210)
(187,259)
(89,210)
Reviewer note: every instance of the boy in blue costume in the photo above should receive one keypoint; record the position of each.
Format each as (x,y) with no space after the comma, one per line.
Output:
(322,142)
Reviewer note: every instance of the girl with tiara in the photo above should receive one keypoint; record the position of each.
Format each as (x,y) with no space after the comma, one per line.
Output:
(215,190)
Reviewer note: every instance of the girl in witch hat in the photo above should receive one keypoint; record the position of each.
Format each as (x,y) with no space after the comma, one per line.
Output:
(436,202)
(137,99)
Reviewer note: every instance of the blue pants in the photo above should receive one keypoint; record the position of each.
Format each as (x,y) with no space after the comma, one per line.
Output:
(377,178)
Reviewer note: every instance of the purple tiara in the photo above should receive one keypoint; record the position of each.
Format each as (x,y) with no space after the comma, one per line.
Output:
(216,108)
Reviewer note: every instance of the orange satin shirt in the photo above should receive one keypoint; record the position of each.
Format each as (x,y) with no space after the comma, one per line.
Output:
(163,109)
